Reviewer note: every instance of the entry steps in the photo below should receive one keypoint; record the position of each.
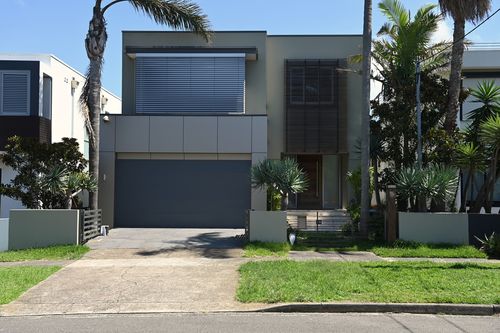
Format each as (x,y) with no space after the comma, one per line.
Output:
(318,220)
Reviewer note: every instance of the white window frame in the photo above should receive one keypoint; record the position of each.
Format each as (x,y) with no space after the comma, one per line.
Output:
(28,98)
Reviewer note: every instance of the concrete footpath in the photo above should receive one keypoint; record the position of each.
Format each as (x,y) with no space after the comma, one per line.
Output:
(185,284)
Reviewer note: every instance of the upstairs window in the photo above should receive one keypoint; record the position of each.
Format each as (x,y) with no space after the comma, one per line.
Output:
(196,83)
(14,93)
(311,83)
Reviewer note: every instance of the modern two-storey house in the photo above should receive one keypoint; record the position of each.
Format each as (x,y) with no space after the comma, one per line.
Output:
(196,116)
(39,99)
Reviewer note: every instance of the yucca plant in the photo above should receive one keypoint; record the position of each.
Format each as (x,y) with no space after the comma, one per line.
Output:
(283,176)
(488,94)
(69,184)
(436,184)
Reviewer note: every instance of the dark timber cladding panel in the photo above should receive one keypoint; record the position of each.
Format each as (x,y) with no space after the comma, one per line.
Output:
(27,127)
(315,111)
(182,193)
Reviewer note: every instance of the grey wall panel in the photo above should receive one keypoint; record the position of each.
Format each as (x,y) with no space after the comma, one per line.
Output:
(200,134)
(107,186)
(132,134)
(190,194)
(107,135)
(259,134)
(234,135)
(166,134)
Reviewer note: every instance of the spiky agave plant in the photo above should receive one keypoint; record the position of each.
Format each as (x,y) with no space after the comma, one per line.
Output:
(283,176)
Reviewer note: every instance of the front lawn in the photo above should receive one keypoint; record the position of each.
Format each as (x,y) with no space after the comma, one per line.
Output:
(59,252)
(419,250)
(16,280)
(263,249)
(401,282)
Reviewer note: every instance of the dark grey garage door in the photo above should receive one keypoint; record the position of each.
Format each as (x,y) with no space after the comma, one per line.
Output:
(181,193)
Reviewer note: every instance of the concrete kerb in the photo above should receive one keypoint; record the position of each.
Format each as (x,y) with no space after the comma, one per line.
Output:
(435,309)
(414,308)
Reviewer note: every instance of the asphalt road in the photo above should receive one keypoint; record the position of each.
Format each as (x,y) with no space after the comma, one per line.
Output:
(251,322)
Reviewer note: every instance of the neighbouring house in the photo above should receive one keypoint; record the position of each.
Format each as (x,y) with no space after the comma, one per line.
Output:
(196,116)
(39,98)
(481,63)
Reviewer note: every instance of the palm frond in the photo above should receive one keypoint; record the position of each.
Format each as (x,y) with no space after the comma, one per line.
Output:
(177,14)
(466,10)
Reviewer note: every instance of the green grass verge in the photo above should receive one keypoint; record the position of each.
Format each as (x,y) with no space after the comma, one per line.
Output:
(59,252)
(326,281)
(428,251)
(262,249)
(16,280)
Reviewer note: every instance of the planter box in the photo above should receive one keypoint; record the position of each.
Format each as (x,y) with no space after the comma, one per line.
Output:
(451,228)
(267,226)
(31,228)
(4,234)
(482,224)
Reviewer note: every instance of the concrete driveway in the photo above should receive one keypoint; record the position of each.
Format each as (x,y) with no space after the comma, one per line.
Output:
(144,270)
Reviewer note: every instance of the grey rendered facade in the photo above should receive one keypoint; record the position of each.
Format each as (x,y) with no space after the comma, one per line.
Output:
(196,116)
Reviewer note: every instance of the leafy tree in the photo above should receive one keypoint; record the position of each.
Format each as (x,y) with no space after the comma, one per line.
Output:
(460,11)
(282,176)
(403,41)
(177,14)
(31,161)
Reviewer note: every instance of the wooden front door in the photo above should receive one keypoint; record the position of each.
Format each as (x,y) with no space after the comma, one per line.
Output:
(312,197)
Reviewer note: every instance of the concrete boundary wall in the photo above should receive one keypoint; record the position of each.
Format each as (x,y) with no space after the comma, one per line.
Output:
(452,228)
(265,226)
(4,234)
(32,228)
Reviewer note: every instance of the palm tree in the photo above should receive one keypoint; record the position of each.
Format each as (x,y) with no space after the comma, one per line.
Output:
(365,119)
(404,40)
(460,11)
(177,14)
(470,159)
(282,176)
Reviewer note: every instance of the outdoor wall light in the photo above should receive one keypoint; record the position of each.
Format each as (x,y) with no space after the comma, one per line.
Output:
(106,117)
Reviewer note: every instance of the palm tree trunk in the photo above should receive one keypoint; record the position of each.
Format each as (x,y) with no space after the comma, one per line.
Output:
(484,192)
(95,44)
(457,54)
(365,120)
(463,195)
(376,187)
(491,182)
